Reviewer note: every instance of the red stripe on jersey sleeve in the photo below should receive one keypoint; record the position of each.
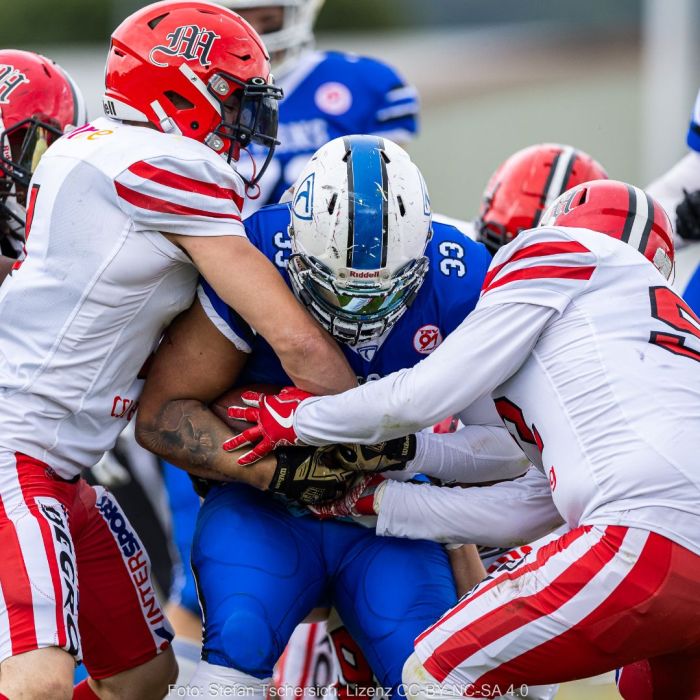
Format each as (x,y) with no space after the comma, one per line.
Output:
(144,201)
(543,272)
(537,250)
(181,182)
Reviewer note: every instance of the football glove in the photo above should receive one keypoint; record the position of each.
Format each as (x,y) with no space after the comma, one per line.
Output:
(382,457)
(362,498)
(688,216)
(273,416)
(309,475)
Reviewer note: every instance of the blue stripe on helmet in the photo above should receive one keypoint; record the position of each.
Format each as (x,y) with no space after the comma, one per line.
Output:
(367,202)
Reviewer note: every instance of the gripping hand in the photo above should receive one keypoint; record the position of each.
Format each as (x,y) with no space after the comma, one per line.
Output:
(309,475)
(273,416)
(688,216)
(382,457)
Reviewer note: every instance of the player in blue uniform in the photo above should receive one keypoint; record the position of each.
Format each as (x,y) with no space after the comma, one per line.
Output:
(678,191)
(327,94)
(260,567)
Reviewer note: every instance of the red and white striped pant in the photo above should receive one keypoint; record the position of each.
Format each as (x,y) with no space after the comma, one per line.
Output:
(595,599)
(59,537)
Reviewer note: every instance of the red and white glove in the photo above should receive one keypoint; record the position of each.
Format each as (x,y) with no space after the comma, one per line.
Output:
(273,415)
(362,498)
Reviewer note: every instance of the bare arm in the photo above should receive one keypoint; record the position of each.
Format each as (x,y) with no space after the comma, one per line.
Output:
(248,282)
(467,568)
(194,365)
(5,267)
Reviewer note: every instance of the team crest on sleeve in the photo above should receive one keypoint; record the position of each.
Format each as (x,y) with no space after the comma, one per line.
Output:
(303,205)
(426,339)
(333,98)
(10,79)
(192,42)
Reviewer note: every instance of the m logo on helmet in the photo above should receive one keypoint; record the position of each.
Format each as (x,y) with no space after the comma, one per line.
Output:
(192,42)
(10,80)
(304,199)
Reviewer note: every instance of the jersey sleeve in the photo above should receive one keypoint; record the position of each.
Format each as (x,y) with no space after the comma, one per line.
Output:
(693,137)
(226,320)
(199,197)
(495,340)
(544,266)
(507,514)
(396,104)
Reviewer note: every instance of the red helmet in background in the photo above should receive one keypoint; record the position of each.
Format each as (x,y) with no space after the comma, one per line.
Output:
(38,102)
(525,185)
(621,211)
(196,69)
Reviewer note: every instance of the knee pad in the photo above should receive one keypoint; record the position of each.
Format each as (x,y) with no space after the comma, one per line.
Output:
(248,642)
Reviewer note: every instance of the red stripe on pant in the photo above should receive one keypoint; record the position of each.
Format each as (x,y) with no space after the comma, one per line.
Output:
(16,588)
(542,556)
(635,621)
(520,611)
(49,545)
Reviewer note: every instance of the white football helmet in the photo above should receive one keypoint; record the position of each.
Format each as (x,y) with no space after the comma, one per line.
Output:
(360,223)
(297,32)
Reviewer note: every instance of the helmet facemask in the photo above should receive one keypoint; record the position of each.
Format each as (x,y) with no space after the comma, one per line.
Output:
(354,312)
(249,115)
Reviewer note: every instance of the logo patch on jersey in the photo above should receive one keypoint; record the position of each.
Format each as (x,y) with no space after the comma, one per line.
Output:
(192,42)
(10,80)
(303,205)
(426,339)
(367,352)
(333,98)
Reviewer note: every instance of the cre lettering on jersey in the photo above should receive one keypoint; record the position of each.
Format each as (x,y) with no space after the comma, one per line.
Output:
(91,130)
(135,557)
(124,408)
(426,339)
(10,79)
(55,515)
(189,41)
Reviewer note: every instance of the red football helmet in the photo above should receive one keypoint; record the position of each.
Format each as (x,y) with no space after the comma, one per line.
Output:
(619,210)
(525,185)
(196,69)
(38,102)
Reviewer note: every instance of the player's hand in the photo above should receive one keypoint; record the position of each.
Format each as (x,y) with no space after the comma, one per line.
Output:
(688,216)
(309,475)
(363,498)
(384,456)
(273,416)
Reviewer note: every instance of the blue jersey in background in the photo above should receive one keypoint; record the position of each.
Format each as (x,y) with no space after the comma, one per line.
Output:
(332,94)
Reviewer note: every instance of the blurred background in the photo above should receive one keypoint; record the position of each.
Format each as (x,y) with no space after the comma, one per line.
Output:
(617,79)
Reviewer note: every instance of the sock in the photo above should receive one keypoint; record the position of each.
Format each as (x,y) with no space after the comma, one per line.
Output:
(83,691)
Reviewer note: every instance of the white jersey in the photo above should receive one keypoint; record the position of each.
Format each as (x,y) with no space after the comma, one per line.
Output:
(100,283)
(594,365)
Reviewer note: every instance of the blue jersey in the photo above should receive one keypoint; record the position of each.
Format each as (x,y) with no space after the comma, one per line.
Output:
(332,94)
(693,138)
(449,292)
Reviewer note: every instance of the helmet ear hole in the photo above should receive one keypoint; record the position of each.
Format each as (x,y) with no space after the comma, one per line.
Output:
(177,100)
(402,208)
(331,204)
(157,20)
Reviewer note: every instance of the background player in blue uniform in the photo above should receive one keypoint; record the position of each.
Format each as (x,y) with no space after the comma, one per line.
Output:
(327,94)
(678,191)
(261,569)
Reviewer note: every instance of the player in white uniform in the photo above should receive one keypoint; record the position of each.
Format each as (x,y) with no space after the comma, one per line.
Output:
(592,360)
(123,213)
(38,102)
